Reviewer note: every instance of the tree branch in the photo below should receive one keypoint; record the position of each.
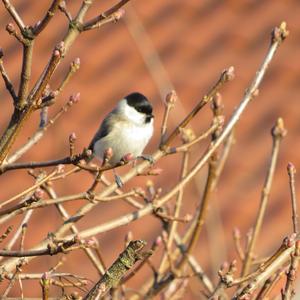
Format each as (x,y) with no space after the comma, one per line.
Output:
(14,14)
(40,26)
(8,83)
(278,132)
(112,14)
(115,273)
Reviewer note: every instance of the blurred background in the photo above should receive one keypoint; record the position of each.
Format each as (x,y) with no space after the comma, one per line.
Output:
(159,46)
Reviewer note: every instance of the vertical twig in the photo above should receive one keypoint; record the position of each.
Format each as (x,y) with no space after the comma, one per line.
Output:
(291,172)
(171,98)
(212,178)
(25,73)
(178,205)
(278,132)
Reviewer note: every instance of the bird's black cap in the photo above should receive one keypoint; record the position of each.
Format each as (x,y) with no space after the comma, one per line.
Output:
(139,102)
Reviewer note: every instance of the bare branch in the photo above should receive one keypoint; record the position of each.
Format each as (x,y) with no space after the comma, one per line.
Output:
(12,11)
(53,248)
(25,73)
(112,14)
(32,165)
(8,83)
(280,258)
(291,172)
(289,291)
(171,99)
(115,273)
(40,26)
(278,132)
(42,129)
(226,75)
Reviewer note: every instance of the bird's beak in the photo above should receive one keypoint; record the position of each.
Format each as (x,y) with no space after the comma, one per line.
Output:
(149,117)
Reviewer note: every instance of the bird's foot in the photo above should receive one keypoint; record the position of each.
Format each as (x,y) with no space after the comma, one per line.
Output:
(118,181)
(147,157)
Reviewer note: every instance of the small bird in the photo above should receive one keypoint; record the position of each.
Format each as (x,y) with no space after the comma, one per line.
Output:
(127,129)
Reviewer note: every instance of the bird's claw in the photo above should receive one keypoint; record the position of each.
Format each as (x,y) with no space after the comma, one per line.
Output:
(118,181)
(147,157)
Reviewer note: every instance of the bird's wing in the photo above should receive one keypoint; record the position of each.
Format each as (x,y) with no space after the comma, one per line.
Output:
(103,131)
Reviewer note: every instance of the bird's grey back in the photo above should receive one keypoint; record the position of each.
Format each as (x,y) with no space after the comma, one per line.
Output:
(103,131)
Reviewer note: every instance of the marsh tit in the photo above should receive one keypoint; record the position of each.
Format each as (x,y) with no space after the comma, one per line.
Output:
(126,129)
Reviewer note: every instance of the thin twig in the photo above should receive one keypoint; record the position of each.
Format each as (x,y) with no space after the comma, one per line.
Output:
(30,189)
(112,14)
(171,99)
(33,203)
(227,75)
(201,275)
(96,262)
(23,233)
(291,172)
(41,130)
(12,11)
(178,204)
(74,67)
(13,278)
(18,232)
(53,249)
(63,8)
(7,81)
(40,26)
(264,272)
(269,285)
(185,147)
(211,180)
(278,132)
(237,243)
(34,276)
(50,163)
